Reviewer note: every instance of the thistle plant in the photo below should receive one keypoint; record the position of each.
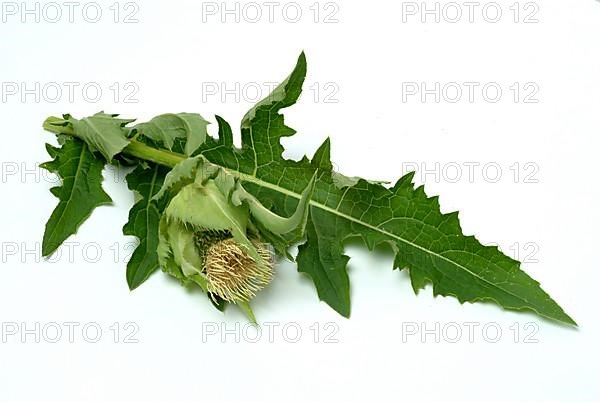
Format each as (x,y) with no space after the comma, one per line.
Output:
(220,217)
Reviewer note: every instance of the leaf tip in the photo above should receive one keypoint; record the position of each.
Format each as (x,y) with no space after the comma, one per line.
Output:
(302,57)
(48,247)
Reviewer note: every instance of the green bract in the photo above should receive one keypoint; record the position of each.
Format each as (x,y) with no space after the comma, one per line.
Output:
(208,207)
(213,214)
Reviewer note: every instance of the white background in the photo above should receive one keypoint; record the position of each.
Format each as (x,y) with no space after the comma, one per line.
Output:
(172,55)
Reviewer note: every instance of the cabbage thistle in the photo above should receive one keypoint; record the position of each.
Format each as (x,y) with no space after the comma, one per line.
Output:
(211,232)
(194,219)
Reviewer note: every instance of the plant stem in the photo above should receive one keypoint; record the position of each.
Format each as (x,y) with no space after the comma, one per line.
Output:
(162,157)
(135,148)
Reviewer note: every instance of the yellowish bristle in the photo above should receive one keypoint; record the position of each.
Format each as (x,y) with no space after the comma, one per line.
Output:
(232,274)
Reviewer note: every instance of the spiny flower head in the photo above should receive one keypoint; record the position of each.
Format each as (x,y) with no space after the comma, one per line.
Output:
(232,274)
(211,229)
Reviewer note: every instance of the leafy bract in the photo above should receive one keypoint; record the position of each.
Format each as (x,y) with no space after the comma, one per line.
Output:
(209,198)
(78,195)
(209,202)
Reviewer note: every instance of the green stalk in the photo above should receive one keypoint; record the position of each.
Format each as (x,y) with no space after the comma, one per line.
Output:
(162,157)
(135,148)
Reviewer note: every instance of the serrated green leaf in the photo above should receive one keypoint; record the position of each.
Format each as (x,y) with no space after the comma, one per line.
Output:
(80,192)
(430,244)
(166,128)
(322,258)
(102,132)
(143,222)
